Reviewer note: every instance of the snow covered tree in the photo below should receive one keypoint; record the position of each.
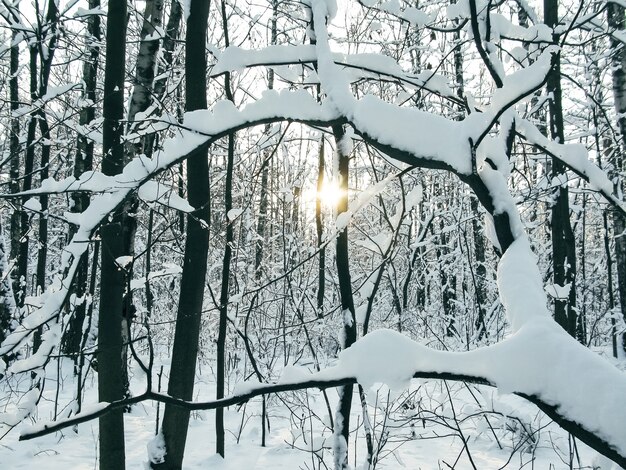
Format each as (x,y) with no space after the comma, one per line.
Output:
(423,126)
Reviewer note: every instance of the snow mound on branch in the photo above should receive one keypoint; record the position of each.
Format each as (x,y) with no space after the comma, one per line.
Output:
(382,356)
(540,360)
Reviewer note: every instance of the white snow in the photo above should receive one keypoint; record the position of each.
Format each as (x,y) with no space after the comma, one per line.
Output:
(234,214)
(155,192)
(33,204)
(156,449)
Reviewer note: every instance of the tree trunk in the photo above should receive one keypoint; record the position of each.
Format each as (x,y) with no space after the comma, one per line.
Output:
(146,65)
(615,15)
(223,307)
(83,161)
(563,243)
(14,149)
(46,67)
(27,183)
(319,228)
(172,31)
(112,282)
(481,270)
(263,198)
(7,301)
(185,350)
(342,421)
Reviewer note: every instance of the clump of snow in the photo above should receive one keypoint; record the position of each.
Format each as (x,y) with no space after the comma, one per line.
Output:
(33,204)
(234,213)
(573,155)
(156,449)
(293,374)
(381,356)
(523,80)
(155,192)
(16,414)
(243,388)
(124,261)
(558,292)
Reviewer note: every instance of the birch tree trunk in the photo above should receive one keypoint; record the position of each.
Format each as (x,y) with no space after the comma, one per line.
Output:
(146,64)
(7,301)
(615,14)
(172,31)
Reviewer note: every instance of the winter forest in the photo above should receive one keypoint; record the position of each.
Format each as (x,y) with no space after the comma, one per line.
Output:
(312,234)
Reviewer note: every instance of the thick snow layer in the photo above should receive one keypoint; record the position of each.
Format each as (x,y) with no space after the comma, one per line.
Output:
(522,81)
(422,134)
(520,285)
(357,65)
(287,444)
(418,132)
(540,359)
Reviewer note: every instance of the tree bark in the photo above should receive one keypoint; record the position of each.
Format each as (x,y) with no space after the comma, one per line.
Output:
(27,183)
(83,161)
(563,242)
(146,64)
(185,350)
(224,292)
(615,14)
(480,272)
(342,420)
(14,149)
(263,198)
(7,301)
(112,279)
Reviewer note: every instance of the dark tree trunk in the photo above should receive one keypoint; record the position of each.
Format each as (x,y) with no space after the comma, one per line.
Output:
(263,198)
(224,295)
(112,278)
(44,128)
(480,275)
(185,350)
(14,149)
(27,183)
(319,228)
(83,161)
(563,243)
(342,421)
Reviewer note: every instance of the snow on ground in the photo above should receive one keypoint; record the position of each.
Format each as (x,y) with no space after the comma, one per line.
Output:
(493,426)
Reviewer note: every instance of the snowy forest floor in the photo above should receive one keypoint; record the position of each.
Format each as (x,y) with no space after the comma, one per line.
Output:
(422,428)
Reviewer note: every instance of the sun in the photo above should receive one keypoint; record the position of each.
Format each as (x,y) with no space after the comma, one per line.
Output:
(330,193)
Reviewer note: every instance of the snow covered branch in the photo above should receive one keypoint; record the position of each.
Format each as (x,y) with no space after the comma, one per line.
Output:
(511,366)
(202,129)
